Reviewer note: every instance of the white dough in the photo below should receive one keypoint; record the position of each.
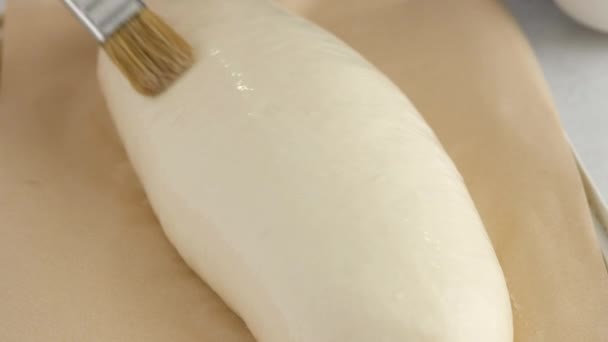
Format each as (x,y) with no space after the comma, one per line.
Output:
(304,187)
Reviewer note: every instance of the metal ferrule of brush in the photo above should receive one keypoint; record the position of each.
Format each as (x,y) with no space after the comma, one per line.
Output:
(104,17)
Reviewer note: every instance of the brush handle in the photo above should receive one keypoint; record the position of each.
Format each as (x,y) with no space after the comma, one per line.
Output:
(104,17)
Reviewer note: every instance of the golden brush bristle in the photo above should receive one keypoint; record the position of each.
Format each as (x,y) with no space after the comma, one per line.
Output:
(149,53)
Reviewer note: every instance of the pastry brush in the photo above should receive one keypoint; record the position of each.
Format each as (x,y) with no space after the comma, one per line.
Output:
(149,52)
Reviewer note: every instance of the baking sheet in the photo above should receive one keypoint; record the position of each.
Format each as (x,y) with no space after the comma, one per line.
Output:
(121,269)
(573,59)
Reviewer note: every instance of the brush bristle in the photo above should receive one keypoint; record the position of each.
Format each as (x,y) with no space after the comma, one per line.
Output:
(149,53)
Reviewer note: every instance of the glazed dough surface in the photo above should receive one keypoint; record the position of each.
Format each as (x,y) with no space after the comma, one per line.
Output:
(305,188)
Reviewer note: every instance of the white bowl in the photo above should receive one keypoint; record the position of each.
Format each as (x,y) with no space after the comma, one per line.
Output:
(591,13)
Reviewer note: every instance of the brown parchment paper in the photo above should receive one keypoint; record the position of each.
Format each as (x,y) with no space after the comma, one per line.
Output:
(1,36)
(83,258)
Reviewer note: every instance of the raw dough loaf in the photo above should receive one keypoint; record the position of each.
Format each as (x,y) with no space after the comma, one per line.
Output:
(305,188)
